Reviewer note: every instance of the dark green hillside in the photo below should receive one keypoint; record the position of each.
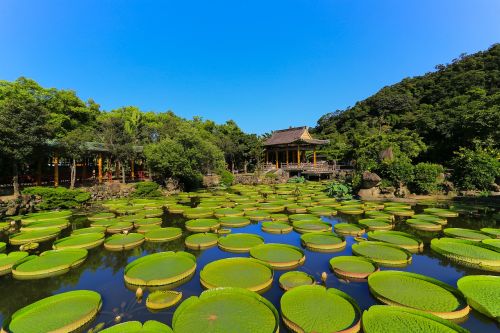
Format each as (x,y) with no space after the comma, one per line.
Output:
(456,106)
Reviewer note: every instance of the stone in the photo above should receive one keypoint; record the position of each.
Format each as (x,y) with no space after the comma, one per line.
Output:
(368,193)
(370,179)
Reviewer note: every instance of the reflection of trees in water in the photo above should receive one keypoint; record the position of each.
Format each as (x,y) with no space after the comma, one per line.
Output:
(174,245)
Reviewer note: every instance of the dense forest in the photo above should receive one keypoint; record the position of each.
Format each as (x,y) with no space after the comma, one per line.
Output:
(37,122)
(441,117)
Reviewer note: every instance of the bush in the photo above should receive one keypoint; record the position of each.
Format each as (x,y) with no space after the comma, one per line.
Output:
(338,190)
(226,178)
(147,190)
(296,180)
(399,171)
(59,197)
(474,169)
(426,178)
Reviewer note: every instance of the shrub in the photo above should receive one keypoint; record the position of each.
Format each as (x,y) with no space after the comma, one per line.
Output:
(474,169)
(296,180)
(226,178)
(59,197)
(399,171)
(338,190)
(147,190)
(426,178)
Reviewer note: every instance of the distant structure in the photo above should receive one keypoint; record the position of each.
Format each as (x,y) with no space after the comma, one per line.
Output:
(287,149)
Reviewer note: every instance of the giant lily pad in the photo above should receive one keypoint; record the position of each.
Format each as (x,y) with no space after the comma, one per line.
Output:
(353,267)
(317,309)
(151,326)
(311,226)
(272,207)
(3,246)
(39,225)
(224,310)
(245,273)
(65,312)
(418,292)
(198,213)
(228,212)
(378,214)
(147,222)
(398,238)
(101,216)
(234,221)
(493,244)
(482,293)
(119,227)
(258,215)
(162,299)
(9,260)
(323,241)
(279,218)
(88,230)
(468,253)
(468,234)
(201,241)
(351,210)
(424,225)
(276,227)
(279,255)
(395,319)
(45,216)
(202,225)
(399,211)
(121,242)
(240,242)
(430,218)
(83,241)
(493,232)
(160,269)
(294,279)
(36,236)
(441,212)
(376,224)
(49,263)
(322,211)
(383,253)
(163,234)
(350,229)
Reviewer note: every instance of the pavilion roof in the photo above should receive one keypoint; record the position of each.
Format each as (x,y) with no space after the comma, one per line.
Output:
(293,135)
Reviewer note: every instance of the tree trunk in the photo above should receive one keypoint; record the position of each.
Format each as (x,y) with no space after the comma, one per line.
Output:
(245,166)
(15,179)
(73,174)
(150,174)
(122,166)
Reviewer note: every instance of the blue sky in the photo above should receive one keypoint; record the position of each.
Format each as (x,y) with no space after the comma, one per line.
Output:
(265,64)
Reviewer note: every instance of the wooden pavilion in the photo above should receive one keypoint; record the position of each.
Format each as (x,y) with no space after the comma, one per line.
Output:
(286,149)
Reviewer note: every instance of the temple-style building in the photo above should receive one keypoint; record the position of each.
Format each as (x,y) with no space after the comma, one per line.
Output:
(288,149)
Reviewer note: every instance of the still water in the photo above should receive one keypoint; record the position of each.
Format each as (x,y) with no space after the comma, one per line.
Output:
(103,271)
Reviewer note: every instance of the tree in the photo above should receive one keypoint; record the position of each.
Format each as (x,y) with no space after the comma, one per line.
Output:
(73,145)
(23,128)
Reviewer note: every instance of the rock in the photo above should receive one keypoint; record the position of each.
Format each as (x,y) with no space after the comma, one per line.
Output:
(495,187)
(369,193)
(402,192)
(370,179)
(12,210)
(447,186)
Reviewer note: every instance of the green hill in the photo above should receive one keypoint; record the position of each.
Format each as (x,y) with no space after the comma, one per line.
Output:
(453,107)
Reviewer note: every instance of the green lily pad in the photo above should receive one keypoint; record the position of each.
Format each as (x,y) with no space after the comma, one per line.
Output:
(353,267)
(323,241)
(107,222)
(378,214)
(322,211)
(201,241)
(424,225)
(146,228)
(468,234)
(228,212)
(441,212)
(245,273)
(49,263)
(162,299)
(279,255)
(493,232)
(148,221)
(119,227)
(276,227)
(121,242)
(83,241)
(202,225)
(258,215)
(234,222)
(351,210)
(384,319)
(294,279)
(296,209)
(376,224)
(101,216)
(74,309)
(160,269)
(151,326)
(317,309)
(198,212)
(45,216)
(399,211)
(468,253)
(222,310)
(272,207)
(311,226)
(152,213)
(350,229)
(418,292)
(482,293)
(398,238)
(163,234)
(9,260)
(383,253)
(240,242)
(36,236)
(88,230)
(60,224)
(3,246)
(493,244)
(303,217)
(431,218)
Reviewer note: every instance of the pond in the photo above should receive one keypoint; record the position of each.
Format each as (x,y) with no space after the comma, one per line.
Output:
(103,271)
